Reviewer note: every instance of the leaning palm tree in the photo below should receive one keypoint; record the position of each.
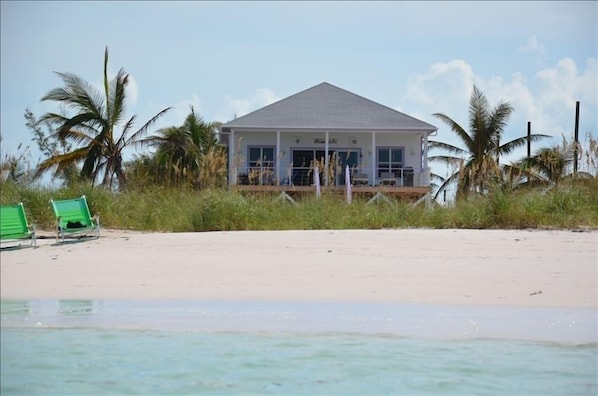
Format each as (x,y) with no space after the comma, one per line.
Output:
(478,162)
(93,126)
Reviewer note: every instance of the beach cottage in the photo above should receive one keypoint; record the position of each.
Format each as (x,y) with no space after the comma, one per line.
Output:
(312,136)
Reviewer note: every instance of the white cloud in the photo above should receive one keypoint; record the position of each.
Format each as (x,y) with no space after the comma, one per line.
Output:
(453,78)
(533,46)
(132,91)
(546,99)
(445,88)
(559,88)
(240,107)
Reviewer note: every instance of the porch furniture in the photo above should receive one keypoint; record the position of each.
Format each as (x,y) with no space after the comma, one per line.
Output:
(13,224)
(73,217)
(387,179)
(243,179)
(408,174)
(360,179)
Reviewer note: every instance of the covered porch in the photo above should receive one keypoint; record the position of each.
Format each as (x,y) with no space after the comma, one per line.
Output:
(292,158)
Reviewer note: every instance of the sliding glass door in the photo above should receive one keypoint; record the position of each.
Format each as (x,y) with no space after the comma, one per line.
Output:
(303,161)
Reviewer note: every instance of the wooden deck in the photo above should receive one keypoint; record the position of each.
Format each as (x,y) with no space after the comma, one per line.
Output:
(409,193)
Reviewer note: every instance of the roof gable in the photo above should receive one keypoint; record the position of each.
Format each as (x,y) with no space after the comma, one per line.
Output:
(326,106)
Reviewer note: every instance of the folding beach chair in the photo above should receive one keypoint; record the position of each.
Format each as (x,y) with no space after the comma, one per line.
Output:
(73,217)
(13,224)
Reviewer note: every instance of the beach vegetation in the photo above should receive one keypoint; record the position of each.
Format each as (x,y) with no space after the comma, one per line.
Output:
(572,204)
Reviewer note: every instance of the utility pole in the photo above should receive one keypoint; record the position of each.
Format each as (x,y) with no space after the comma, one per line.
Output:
(576,139)
(529,140)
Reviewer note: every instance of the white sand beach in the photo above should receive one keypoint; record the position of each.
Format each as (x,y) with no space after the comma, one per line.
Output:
(462,267)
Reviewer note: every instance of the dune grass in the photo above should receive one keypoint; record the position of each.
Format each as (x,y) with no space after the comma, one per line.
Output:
(569,206)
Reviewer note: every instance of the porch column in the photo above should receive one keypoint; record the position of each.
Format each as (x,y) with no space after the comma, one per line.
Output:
(232,170)
(374,165)
(326,167)
(278,158)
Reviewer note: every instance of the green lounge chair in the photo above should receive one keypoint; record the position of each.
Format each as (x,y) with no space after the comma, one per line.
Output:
(13,224)
(73,217)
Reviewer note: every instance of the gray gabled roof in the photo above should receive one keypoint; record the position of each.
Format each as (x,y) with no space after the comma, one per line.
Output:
(326,107)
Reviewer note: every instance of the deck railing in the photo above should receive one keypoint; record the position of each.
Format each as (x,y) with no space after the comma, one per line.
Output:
(304,176)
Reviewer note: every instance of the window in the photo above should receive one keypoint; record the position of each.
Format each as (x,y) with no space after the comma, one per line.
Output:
(261,165)
(390,159)
(261,157)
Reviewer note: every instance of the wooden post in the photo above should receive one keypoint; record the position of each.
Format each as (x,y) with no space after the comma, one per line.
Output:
(529,140)
(576,139)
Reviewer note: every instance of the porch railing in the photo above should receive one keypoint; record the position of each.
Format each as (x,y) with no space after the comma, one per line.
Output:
(303,176)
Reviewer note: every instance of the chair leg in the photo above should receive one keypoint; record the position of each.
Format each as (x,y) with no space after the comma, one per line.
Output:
(33,241)
(97,226)
(60,234)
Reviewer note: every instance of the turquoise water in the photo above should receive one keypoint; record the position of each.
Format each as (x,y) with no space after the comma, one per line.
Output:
(160,348)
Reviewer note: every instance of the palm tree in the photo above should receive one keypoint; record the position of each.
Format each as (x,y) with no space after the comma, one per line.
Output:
(181,150)
(549,165)
(93,126)
(478,162)
(15,167)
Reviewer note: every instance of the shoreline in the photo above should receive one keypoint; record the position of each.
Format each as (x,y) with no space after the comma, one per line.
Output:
(508,268)
(572,326)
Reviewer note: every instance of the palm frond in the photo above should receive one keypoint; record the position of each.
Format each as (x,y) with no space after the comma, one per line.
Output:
(122,140)
(82,121)
(479,114)
(60,161)
(508,147)
(498,119)
(149,123)
(77,94)
(107,86)
(117,95)
(456,128)
(446,159)
(78,137)
(454,178)
(435,145)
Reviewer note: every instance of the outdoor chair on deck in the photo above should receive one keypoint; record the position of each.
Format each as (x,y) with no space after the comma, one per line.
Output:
(13,224)
(73,217)
(360,179)
(387,179)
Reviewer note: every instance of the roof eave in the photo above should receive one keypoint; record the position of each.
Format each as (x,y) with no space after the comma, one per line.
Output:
(226,129)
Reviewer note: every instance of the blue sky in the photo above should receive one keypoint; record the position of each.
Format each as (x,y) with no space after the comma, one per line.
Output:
(228,58)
